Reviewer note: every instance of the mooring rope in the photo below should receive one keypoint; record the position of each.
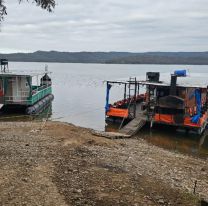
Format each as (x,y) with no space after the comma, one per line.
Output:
(46,119)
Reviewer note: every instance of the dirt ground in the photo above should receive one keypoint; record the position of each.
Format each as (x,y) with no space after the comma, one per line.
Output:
(60,164)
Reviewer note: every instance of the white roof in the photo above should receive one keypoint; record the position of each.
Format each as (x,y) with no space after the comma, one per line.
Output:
(23,73)
(188,81)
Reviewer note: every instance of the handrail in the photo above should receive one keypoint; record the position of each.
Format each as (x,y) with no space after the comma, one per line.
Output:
(39,91)
(41,88)
(39,94)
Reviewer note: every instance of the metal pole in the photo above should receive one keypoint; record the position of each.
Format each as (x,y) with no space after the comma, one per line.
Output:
(17,85)
(135,95)
(206,99)
(148,101)
(107,99)
(138,88)
(130,89)
(37,84)
(125,91)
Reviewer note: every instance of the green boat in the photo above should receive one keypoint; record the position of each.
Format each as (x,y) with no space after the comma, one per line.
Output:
(29,90)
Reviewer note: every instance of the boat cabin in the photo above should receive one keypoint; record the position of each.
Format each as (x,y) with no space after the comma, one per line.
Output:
(18,88)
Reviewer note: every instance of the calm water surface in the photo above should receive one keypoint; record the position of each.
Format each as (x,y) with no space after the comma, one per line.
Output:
(79,91)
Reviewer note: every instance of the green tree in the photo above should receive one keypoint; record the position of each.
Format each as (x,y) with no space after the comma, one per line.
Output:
(44,4)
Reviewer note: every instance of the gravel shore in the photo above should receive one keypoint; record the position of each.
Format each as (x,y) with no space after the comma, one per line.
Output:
(61,164)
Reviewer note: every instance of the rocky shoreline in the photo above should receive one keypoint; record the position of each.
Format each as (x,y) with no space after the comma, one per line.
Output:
(61,164)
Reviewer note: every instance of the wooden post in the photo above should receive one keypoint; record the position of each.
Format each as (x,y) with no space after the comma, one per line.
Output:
(195,184)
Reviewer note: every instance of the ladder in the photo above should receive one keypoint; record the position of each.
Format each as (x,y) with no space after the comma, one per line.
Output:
(132,91)
(151,101)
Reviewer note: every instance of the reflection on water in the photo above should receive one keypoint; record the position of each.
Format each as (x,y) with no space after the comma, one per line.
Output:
(177,140)
(20,116)
(169,138)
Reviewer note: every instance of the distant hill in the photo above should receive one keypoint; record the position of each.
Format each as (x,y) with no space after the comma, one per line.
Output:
(197,58)
(200,58)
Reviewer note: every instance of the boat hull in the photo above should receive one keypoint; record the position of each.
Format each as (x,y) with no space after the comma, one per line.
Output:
(40,105)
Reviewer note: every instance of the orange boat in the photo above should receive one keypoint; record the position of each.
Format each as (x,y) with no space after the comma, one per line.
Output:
(177,104)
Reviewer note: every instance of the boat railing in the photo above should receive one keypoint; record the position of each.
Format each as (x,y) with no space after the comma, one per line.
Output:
(39,88)
(42,92)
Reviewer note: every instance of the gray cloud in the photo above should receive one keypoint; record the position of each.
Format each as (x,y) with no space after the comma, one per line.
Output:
(110,25)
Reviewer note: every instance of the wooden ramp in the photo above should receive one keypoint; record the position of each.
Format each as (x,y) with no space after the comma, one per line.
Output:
(109,135)
(126,132)
(133,126)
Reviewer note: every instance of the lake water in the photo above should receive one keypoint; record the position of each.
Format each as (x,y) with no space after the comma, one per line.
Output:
(79,89)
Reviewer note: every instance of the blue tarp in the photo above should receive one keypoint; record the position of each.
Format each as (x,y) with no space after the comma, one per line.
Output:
(107,106)
(180,73)
(195,118)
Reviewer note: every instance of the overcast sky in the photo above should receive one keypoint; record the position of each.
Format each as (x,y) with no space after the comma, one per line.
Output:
(107,25)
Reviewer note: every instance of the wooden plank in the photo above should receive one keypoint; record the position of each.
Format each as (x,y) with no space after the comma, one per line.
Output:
(109,135)
(133,126)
